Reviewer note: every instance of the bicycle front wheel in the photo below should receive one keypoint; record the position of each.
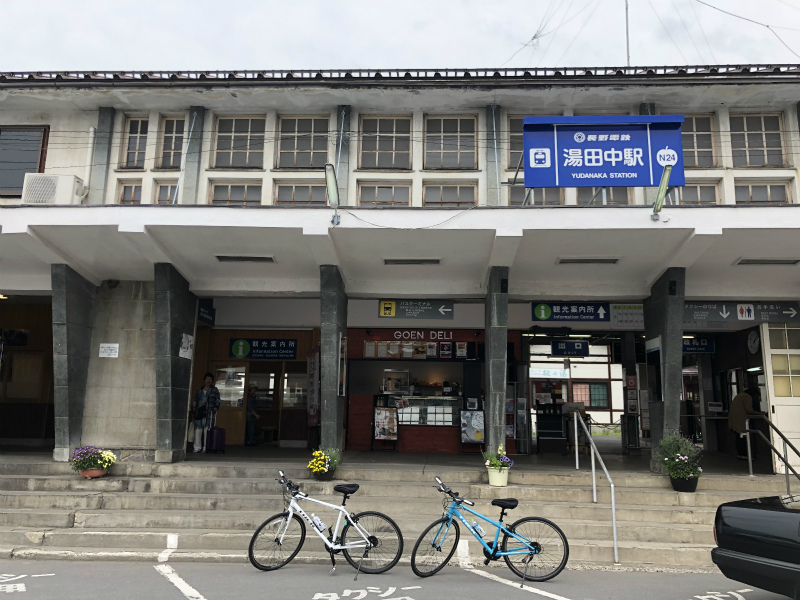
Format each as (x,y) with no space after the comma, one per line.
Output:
(549,549)
(385,539)
(435,547)
(276,542)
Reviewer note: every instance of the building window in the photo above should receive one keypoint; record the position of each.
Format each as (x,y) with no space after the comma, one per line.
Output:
(762,193)
(240,143)
(450,143)
(384,195)
(236,194)
(166,191)
(756,141)
(301,194)
(385,143)
(171,142)
(592,395)
(514,142)
(130,192)
(693,193)
(449,196)
(784,343)
(538,196)
(698,147)
(303,143)
(22,150)
(135,143)
(596,196)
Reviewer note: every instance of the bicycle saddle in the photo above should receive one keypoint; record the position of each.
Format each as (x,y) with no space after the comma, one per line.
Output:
(347,488)
(506,503)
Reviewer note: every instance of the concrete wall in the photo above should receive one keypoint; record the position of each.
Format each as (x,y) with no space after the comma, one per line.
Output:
(120,405)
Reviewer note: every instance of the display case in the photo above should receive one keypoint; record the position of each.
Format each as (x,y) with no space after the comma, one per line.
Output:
(427,410)
(395,381)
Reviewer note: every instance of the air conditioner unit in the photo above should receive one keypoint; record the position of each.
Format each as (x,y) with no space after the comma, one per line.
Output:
(51,189)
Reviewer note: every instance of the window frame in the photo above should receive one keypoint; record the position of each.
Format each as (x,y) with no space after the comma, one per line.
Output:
(442,184)
(392,184)
(781,131)
(698,184)
(511,189)
(13,193)
(231,182)
(362,136)
(786,183)
(133,183)
(425,134)
(162,138)
(123,163)
(215,146)
(612,203)
(295,183)
(713,132)
(279,136)
(590,383)
(158,184)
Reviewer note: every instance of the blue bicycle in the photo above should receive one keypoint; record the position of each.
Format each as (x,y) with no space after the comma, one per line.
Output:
(533,548)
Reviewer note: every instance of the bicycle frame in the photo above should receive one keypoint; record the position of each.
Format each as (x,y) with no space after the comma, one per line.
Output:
(294,507)
(455,511)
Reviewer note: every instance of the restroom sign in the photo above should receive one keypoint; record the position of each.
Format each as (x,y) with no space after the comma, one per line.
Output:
(614,151)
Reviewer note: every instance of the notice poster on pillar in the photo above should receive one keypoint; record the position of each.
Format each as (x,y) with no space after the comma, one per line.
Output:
(445,349)
(313,403)
(472,427)
(386,424)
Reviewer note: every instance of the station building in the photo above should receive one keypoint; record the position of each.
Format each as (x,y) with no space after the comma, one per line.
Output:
(157,226)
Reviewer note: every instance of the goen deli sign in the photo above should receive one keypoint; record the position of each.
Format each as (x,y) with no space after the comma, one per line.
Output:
(422,335)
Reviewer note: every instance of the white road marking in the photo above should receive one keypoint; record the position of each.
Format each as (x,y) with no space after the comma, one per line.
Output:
(462,551)
(44,575)
(188,591)
(412,587)
(172,544)
(515,584)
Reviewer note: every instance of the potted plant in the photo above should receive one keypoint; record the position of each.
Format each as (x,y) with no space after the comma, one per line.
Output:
(681,458)
(498,465)
(323,463)
(91,462)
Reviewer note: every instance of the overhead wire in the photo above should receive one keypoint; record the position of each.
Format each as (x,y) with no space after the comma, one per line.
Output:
(688,31)
(702,29)
(577,35)
(667,31)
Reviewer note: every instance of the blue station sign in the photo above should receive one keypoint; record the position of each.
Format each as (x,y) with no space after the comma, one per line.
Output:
(602,151)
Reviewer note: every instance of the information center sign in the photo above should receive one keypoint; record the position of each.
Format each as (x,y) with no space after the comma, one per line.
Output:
(602,151)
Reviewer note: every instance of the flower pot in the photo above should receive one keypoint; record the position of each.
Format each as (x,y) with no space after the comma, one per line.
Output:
(92,473)
(498,476)
(323,475)
(680,484)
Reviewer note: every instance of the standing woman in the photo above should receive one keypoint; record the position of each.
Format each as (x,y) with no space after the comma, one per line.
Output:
(206,403)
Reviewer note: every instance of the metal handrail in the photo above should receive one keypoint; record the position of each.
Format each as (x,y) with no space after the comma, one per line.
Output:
(786,445)
(596,453)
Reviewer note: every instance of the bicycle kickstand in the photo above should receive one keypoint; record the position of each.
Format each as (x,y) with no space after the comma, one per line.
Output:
(333,562)
(525,572)
(363,556)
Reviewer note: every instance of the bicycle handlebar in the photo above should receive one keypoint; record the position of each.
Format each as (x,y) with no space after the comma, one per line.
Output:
(293,488)
(454,495)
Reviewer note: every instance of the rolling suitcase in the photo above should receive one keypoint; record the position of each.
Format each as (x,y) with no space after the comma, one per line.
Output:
(215,442)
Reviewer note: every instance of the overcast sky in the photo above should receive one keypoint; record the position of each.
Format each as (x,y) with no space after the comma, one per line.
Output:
(40,35)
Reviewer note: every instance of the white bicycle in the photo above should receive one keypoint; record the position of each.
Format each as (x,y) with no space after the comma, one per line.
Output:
(370,541)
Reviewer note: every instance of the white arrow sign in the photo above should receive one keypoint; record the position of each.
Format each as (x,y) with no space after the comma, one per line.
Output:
(724,312)
(791,312)
(601,311)
(443,310)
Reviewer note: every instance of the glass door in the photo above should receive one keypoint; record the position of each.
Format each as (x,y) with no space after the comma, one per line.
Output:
(230,379)
(266,375)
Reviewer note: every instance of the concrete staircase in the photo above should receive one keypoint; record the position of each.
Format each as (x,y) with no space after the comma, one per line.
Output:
(208,511)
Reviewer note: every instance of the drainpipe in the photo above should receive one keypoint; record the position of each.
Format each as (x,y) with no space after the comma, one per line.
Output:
(89,158)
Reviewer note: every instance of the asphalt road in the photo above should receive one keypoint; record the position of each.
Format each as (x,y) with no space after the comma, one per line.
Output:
(62,580)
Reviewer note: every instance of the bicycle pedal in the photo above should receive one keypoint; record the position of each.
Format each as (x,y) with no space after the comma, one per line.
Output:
(333,570)
(485,561)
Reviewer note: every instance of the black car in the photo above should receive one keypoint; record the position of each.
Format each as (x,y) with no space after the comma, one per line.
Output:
(758,543)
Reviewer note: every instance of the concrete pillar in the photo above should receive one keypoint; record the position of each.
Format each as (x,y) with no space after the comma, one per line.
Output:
(494,150)
(73,316)
(341,157)
(101,160)
(495,353)
(194,153)
(175,316)
(663,317)
(333,326)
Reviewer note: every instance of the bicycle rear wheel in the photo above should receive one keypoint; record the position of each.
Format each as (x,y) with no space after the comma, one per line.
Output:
(276,542)
(550,543)
(435,547)
(383,534)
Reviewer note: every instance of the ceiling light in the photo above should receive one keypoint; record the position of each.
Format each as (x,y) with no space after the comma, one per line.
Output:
(588,260)
(3,297)
(751,369)
(412,261)
(688,337)
(580,335)
(254,259)
(768,261)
